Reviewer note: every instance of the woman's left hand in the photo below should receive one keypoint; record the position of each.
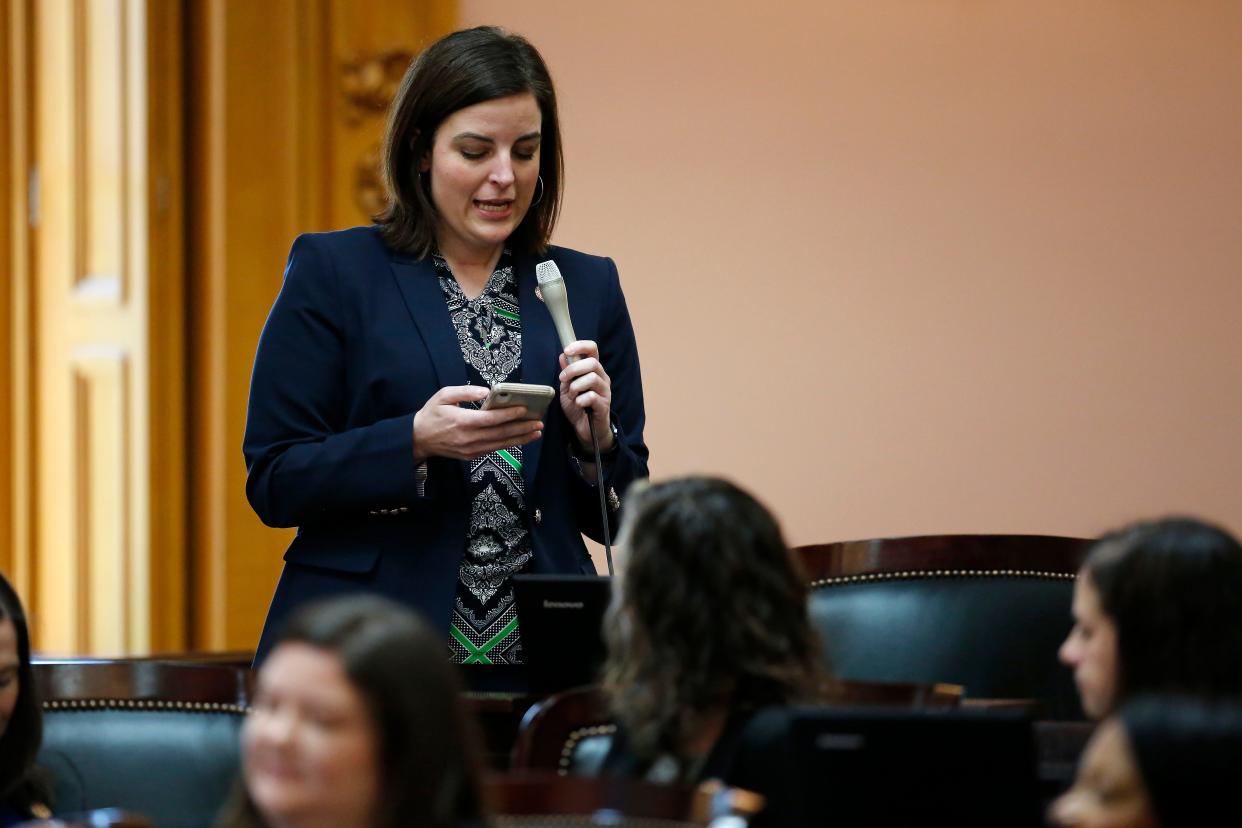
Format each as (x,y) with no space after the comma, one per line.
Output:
(584,384)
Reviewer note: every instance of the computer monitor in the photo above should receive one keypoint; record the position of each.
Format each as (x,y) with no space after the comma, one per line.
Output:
(885,767)
(561,622)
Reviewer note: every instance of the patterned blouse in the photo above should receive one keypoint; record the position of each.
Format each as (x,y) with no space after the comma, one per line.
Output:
(484,629)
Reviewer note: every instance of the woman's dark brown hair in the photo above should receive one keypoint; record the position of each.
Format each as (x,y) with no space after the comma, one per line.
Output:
(460,70)
(429,750)
(21,785)
(712,610)
(1173,588)
(1189,753)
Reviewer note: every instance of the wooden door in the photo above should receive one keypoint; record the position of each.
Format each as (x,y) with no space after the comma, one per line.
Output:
(106,434)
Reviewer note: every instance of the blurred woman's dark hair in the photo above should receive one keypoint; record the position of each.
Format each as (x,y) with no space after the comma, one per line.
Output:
(460,70)
(711,610)
(429,748)
(22,786)
(1189,753)
(1173,588)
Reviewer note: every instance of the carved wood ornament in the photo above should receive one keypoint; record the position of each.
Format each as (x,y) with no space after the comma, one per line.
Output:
(369,84)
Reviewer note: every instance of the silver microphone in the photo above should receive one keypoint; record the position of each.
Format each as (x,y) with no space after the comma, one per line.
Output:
(552,288)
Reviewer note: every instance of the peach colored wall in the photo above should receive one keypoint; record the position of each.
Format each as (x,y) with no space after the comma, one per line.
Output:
(911,266)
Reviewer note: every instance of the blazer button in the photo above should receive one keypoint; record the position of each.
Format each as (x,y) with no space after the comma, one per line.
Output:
(538,516)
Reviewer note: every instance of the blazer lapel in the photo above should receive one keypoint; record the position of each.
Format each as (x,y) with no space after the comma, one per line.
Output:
(420,287)
(540,353)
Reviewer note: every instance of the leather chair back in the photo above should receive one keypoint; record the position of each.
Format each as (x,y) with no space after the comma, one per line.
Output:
(984,611)
(568,733)
(156,738)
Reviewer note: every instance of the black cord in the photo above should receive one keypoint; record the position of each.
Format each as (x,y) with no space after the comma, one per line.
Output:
(599,484)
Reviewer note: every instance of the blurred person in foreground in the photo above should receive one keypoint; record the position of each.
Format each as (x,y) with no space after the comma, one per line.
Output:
(357,722)
(364,429)
(708,641)
(24,793)
(1157,609)
(1159,762)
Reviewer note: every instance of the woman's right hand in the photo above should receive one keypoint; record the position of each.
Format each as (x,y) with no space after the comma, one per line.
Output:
(444,429)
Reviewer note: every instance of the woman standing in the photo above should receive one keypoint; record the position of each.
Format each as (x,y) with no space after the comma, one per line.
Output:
(363,428)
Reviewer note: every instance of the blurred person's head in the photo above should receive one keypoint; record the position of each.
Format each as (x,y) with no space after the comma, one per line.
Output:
(709,612)
(21,722)
(357,720)
(472,154)
(1160,762)
(1157,608)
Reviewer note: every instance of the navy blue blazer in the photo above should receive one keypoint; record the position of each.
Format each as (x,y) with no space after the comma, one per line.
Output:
(357,341)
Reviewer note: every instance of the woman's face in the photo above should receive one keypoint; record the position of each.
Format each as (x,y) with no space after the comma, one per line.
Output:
(484,164)
(309,747)
(1109,791)
(1091,650)
(10,684)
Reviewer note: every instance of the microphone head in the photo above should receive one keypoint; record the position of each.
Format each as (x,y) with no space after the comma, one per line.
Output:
(552,288)
(546,272)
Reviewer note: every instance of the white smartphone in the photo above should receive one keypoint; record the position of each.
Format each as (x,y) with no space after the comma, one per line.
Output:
(536,398)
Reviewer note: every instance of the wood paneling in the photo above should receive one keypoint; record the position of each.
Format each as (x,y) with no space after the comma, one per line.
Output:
(246,201)
(167,363)
(102,501)
(104,282)
(56,590)
(101,213)
(16,518)
(8,121)
(135,302)
(275,149)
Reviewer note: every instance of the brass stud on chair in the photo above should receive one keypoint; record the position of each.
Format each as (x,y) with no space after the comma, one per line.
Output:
(867,577)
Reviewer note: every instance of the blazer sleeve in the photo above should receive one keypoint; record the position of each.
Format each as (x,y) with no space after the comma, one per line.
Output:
(303,464)
(619,355)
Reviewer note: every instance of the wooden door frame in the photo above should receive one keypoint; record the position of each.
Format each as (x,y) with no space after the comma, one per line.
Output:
(16,420)
(168,357)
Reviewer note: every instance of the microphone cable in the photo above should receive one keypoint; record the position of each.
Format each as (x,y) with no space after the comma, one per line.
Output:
(599,484)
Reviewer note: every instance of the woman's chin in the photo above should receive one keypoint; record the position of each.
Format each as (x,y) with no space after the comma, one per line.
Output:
(280,801)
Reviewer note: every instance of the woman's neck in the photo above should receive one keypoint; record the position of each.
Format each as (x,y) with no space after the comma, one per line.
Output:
(471,267)
(711,723)
(323,819)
